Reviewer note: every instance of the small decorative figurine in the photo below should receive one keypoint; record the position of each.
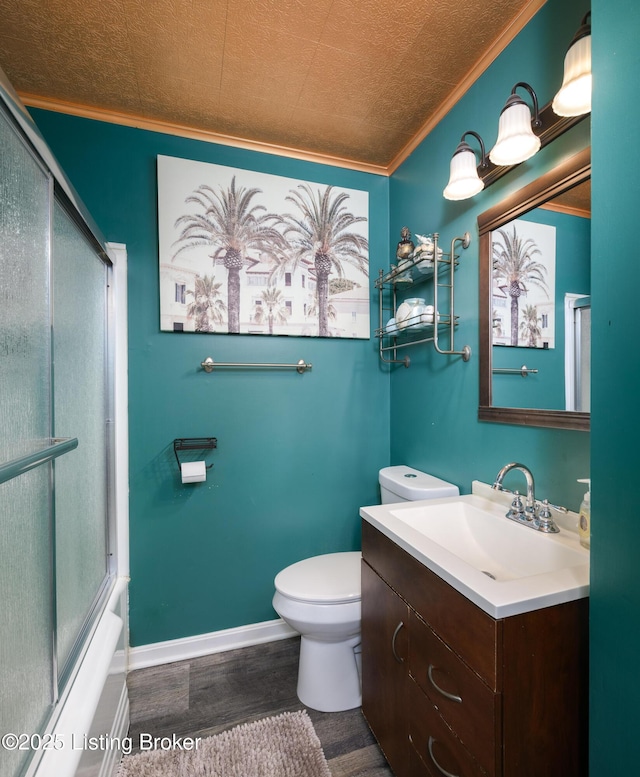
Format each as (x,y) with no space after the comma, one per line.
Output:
(424,253)
(405,246)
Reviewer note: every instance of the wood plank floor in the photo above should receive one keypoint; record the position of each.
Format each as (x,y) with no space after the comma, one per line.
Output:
(203,696)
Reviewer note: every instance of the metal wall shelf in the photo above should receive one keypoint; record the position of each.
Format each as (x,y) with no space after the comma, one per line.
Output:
(405,278)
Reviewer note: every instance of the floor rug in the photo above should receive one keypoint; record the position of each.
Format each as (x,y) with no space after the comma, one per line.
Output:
(282,746)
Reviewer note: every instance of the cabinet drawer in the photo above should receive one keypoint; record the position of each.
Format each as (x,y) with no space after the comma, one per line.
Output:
(469,706)
(435,749)
(385,655)
(438,603)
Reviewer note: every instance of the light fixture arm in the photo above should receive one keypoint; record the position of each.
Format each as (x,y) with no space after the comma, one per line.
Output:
(583,30)
(535,121)
(484,162)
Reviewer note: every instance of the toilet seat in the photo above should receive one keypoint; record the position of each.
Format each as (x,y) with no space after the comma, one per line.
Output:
(333,578)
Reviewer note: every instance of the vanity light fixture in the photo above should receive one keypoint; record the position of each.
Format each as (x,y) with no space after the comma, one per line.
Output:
(464,180)
(516,139)
(524,130)
(574,96)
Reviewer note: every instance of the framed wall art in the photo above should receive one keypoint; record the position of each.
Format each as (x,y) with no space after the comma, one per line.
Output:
(254,253)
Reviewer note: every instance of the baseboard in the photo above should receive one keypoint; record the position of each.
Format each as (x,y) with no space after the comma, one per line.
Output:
(204,644)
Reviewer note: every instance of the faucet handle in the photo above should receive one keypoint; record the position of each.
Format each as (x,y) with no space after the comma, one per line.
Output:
(559,508)
(517,508)
(545,522)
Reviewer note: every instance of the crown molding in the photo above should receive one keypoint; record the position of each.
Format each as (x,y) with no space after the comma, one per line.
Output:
(186,131)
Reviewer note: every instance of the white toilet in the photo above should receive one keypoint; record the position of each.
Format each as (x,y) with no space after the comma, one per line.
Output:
(319,597)
(404,484)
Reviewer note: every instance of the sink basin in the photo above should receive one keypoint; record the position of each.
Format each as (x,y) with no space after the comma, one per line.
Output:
(502,550)
(503,567)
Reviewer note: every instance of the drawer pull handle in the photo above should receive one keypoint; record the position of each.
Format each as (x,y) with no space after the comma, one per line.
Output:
(437,765)
(450,696)
(398,658)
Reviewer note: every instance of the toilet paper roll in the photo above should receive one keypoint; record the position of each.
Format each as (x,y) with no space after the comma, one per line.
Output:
(193,471)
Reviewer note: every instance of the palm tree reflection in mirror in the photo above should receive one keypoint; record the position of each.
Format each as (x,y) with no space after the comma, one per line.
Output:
(530,325)
(515,268)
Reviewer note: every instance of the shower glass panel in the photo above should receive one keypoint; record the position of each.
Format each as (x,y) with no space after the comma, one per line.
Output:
(80,406)
(24,295)
(26,655)
(26,666)
(56,568)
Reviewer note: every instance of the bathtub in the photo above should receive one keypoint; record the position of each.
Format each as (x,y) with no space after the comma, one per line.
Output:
(92,717)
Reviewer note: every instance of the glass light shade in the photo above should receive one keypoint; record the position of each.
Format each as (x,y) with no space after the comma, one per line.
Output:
(464,181)
(574,96)
(516,140)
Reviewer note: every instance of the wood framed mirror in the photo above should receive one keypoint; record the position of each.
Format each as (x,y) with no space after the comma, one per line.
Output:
(566,179)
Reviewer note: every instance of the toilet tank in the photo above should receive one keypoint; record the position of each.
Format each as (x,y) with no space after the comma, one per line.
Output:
(405,484)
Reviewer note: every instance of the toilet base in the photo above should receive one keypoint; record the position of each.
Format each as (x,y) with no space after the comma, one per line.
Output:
(328,675)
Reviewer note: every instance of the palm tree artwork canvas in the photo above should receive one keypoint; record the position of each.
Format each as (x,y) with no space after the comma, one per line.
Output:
(242,252)
(523,289)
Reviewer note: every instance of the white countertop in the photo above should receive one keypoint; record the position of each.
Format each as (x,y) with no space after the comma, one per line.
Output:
(541,569)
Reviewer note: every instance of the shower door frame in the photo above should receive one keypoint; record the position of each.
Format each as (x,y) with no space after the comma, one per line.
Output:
(115,378)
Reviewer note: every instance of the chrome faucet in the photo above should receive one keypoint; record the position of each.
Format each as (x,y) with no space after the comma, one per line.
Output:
(531,497)
(530,514)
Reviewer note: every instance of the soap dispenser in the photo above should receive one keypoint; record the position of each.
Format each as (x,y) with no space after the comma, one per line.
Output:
(584,523)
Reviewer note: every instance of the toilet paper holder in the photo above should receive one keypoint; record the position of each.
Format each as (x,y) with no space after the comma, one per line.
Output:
(194,444)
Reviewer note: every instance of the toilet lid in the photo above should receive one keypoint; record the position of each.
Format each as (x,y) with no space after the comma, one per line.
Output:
(332,579)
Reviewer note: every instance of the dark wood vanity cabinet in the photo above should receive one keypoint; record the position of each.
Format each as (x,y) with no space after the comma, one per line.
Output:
(449,690)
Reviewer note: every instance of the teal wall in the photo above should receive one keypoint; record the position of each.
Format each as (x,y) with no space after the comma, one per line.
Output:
(297,454)
(615,546)
(434,403)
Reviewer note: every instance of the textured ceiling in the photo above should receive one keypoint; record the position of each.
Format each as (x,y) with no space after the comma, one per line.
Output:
(357,80)
(576,201)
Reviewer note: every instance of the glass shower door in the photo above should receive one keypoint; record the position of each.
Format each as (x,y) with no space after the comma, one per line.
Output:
(80,410)
(55,473)
(26,651)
